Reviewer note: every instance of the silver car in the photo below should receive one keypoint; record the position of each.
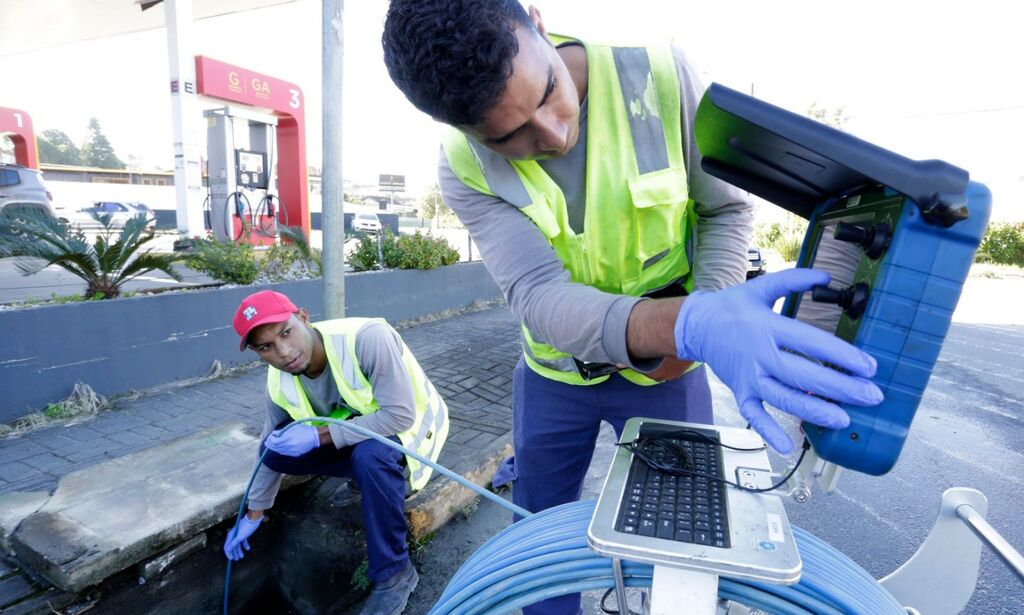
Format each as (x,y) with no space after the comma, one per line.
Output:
(119,212)
(23,188)
(367,223)
(755,263)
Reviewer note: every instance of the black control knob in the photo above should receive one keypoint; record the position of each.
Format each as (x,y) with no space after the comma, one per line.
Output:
(853,299)
(874,239)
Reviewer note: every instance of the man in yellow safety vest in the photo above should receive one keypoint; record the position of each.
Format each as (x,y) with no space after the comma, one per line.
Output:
(574,168)
(353,369)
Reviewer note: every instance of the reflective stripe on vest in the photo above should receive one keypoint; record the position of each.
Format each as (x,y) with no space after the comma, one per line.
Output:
(638,223)
(430,427)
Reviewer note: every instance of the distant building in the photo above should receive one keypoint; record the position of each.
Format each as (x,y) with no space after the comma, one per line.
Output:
(71,173)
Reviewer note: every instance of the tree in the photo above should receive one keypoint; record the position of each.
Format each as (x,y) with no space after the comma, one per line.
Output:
(97,150)
(6,149)
(433,205)
(55,147)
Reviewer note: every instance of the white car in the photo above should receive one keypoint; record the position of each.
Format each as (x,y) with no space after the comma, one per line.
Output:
(22,188)
(366,223)
(119,212)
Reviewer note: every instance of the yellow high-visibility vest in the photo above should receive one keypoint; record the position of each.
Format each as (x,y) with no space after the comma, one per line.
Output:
(640,222)
(428,432)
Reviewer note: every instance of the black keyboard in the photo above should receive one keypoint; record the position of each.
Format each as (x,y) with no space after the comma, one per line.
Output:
(688,508)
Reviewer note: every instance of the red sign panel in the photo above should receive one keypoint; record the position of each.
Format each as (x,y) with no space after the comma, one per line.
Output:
(233,83)
(17,124)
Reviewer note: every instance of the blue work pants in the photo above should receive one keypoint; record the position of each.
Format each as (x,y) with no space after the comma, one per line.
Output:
(380,474)
(555,426)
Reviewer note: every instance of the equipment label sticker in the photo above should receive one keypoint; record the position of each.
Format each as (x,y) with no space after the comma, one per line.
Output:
(775,533)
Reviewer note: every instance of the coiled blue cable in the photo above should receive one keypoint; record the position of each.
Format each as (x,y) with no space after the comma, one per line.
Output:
(515,568)
(546,555)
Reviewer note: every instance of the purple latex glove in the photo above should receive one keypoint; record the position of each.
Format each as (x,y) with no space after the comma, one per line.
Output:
(238,538)
(293,442)
(736,332)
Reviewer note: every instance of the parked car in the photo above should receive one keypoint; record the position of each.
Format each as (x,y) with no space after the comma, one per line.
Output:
(23,188)
(119,212)
(755,263)
(367,223)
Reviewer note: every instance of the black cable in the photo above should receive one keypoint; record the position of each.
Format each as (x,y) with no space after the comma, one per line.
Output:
(645,447)
(613,611)
(281,209)
(207,223)
(228,231)
(265,205)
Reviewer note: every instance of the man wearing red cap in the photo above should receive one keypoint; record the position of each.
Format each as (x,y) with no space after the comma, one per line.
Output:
(358,370)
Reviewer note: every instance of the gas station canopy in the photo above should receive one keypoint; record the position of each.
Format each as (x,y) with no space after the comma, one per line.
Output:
(29,25)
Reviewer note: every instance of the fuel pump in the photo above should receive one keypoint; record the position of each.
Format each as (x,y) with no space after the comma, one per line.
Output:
(241,155)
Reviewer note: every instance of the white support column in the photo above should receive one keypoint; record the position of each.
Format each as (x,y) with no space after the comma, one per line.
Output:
(683,592)
(188,180)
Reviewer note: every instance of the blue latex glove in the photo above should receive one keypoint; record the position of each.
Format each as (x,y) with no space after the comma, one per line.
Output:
(294,442)
(238,538)
(736,332)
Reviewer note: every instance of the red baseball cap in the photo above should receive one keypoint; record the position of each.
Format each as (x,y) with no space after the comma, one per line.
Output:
(260,308)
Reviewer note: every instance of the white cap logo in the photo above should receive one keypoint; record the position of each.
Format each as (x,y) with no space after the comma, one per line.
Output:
(249,312)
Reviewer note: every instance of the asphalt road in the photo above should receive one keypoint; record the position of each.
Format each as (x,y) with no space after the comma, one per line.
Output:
(967,433)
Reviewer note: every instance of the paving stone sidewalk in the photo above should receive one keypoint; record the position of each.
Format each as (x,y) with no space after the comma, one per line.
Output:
(468,357)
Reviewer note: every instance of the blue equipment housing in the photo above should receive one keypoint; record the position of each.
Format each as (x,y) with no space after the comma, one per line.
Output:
(897,235)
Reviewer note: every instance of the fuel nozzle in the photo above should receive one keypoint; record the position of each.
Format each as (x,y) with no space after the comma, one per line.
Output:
(873,239)
(853,299)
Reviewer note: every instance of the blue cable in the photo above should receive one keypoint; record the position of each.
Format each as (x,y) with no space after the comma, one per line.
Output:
(545,555)
(831,583)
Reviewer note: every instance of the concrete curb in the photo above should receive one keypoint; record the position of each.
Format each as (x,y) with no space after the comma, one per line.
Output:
(442,498)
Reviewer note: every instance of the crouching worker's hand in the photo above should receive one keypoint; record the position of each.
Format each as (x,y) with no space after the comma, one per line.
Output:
(294,442)
(765,357)
(238,538)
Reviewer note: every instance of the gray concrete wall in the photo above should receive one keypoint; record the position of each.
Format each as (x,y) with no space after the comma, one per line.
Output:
(140,342)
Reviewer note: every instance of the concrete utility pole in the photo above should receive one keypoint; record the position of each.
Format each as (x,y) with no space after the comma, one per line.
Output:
(333,187)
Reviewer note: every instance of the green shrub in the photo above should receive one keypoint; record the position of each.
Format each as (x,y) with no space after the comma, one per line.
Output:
(226,261)
(1003,243)
(786,237)
(788,247)
(292,257)
(765,235)
(366,255)
(425,252)
(406,252)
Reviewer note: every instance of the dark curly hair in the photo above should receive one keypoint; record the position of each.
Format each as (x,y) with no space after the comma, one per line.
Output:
(452,58)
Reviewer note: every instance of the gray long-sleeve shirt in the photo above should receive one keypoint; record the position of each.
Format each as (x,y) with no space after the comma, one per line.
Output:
(379,351)
(575,318)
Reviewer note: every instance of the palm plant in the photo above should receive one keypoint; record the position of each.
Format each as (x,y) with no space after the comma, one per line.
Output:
(39,240)
(310,255)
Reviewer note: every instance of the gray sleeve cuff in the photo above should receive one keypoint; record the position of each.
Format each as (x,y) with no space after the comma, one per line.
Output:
(614,336)
(341,437)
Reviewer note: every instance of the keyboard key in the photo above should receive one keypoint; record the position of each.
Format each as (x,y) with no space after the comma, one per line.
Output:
(647,527)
